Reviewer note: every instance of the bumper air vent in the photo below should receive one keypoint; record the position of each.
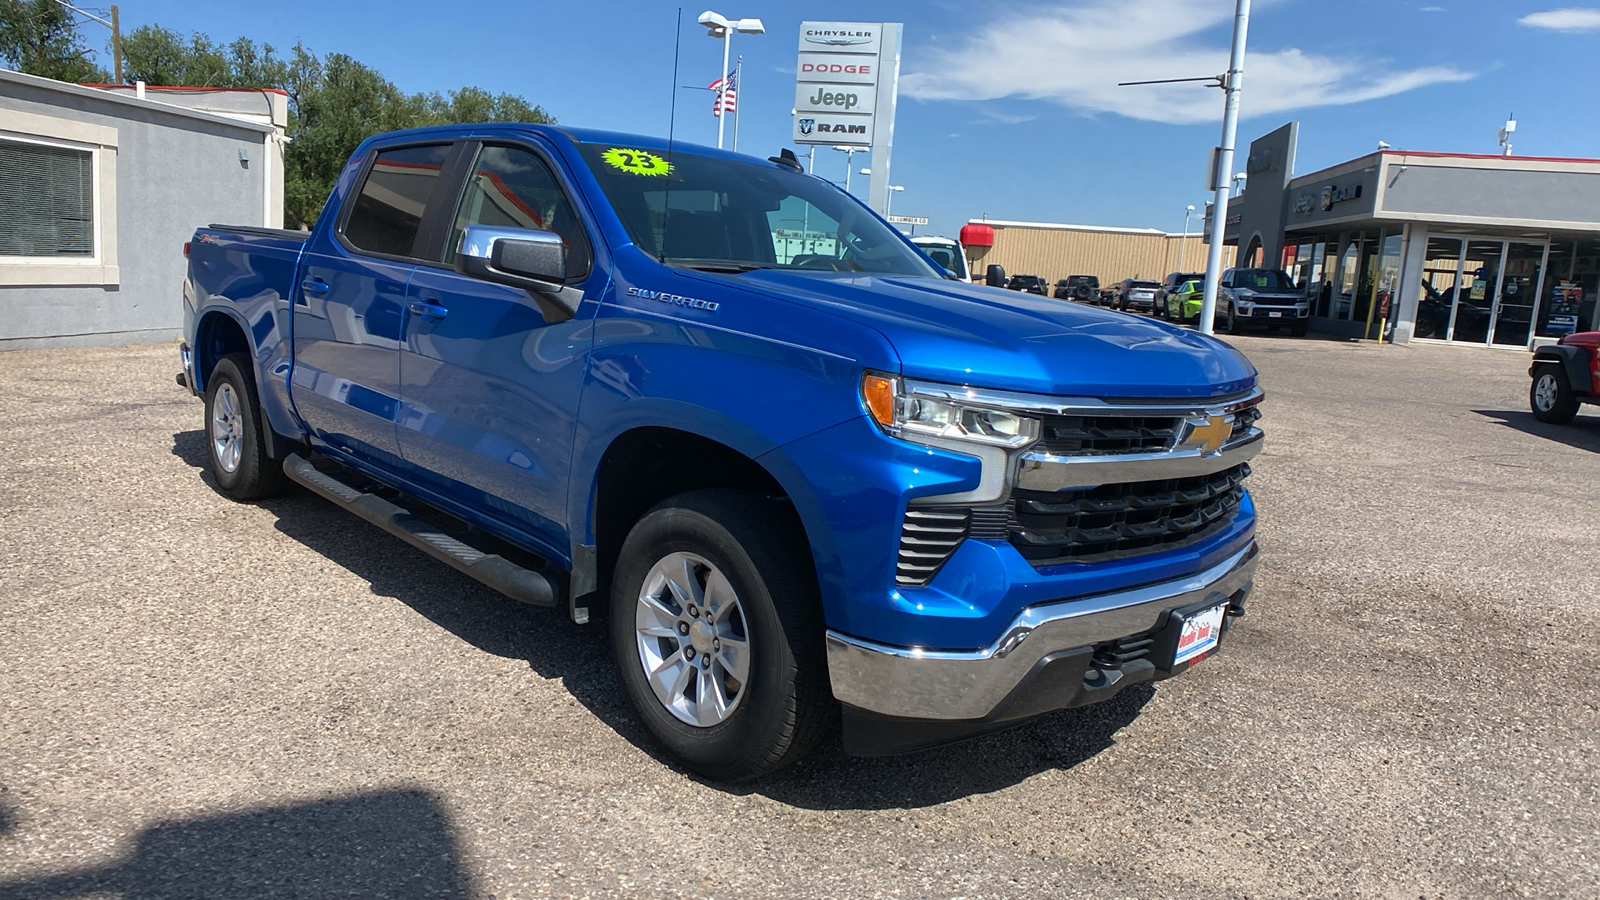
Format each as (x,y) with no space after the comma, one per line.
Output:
(927,539)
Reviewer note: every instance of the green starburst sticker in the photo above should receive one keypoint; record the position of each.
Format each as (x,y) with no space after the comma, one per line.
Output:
(636,162)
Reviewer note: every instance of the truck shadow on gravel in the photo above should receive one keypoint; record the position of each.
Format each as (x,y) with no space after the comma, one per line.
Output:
(396,844)
(580,657)
(1583,433)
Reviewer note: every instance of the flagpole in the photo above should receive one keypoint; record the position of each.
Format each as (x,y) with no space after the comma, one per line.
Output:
(738,87)
(727,40)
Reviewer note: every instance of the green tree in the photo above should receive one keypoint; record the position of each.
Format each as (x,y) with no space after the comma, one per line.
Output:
(335,102)
(157,55)
(40,37)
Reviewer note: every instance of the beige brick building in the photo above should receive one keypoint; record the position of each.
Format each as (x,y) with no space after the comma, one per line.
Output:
(1056,251)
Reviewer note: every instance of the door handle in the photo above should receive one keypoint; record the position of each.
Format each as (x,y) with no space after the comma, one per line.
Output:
(429,310)
(315,286)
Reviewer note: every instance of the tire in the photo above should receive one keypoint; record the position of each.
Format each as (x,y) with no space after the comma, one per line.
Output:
(1233,322)
(756,551)
(1551,397)
(238,452)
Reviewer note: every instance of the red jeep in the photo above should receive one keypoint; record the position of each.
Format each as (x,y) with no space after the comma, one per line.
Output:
(1565,375)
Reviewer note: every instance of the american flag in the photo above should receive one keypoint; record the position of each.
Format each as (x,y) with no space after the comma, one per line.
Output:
(727,99)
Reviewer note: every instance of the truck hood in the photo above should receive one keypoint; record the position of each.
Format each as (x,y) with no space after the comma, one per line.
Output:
(969,334)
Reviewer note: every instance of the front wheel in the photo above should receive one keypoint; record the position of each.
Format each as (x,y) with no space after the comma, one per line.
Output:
(1233,321)
(239,460)
(1551,397)
(716,630)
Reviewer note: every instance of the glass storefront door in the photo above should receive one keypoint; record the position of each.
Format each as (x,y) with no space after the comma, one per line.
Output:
(1441,279)
(1475,292)
(1518,301)
(1481,290)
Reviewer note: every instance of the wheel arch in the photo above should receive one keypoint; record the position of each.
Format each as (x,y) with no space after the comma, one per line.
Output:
(218,333)
(1573,361)
(647,463)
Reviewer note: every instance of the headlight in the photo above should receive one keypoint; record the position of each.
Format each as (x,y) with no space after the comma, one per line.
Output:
(917,413)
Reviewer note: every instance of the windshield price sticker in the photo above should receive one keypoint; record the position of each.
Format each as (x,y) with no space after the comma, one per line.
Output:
(636,162)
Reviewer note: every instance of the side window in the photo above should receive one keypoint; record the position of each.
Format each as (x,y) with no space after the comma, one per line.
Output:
(389,207)
(514,188)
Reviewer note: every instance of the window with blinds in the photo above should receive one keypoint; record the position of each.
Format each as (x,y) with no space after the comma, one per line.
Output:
(46,201)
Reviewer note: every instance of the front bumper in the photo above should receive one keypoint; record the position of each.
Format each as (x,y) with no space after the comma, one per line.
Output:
(1045,660)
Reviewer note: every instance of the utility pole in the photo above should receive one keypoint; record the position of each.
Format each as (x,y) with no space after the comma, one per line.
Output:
(1232,83)
(116,34)
(116,42)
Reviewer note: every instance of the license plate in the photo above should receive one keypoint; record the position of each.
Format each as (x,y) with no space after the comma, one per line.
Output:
(1275,315)
(1200,634)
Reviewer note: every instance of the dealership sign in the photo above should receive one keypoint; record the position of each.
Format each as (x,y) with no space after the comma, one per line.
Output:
(837,83)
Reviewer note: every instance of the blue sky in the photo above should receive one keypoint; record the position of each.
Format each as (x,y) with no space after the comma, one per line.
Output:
(1008,109)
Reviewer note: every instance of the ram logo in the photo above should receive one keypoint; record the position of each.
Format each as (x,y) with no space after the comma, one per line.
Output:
(807,126)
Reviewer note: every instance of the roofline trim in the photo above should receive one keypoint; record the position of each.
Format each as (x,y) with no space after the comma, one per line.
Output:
(63,87)
(190,88)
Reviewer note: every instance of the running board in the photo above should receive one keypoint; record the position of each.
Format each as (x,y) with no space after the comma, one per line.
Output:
(516,582)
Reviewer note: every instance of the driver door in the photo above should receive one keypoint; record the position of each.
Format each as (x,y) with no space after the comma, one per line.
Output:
(489,375)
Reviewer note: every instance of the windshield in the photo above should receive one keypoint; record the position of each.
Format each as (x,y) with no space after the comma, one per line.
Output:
(944,255)
(716,214)
(1262,280)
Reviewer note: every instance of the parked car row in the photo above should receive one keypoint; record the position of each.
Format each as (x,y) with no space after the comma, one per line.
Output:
(1246,298)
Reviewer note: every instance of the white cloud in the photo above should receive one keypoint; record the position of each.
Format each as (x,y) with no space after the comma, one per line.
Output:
(1571,18)
(1075,53)
(1432,9)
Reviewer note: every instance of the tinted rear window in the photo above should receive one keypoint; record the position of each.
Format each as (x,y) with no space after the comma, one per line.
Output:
(389,208)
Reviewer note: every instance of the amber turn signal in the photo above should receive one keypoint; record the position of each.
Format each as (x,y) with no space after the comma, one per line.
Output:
(879,391)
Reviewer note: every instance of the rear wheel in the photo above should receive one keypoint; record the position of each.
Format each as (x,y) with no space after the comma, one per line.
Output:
(239,460)
(1551,397)
(716,631)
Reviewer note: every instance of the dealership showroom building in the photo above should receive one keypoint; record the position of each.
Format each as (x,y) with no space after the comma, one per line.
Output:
(1495,251)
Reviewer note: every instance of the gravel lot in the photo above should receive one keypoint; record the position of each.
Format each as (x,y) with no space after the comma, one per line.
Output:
(203,699)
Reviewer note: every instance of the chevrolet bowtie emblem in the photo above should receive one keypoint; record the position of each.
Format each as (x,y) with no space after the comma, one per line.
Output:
(1208,434)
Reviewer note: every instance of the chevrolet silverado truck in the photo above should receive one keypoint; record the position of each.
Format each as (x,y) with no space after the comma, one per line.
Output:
(801,485)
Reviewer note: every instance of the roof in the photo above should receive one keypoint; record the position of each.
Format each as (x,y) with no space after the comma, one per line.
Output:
(188,88)
(75,90)
(1057,226)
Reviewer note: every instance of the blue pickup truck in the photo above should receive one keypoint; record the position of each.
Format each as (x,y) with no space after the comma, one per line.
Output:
(802,475)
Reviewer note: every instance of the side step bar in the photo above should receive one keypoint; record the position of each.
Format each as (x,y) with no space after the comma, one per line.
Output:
(516,582)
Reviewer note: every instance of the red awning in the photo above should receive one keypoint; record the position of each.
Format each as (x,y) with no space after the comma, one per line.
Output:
(977,235)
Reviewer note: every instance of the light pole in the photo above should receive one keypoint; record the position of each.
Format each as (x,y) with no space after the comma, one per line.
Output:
(719,26)
(1233,84)
(893,189)
(1187,212)
(849,154)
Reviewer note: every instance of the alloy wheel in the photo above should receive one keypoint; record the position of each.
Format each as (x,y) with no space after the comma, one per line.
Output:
(693,639)
(227,428)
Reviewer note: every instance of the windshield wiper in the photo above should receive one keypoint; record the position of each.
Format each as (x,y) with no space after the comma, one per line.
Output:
(716,265)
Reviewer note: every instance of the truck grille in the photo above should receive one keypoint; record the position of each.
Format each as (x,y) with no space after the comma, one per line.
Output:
(928,537)
(1106,435)
(1119,519)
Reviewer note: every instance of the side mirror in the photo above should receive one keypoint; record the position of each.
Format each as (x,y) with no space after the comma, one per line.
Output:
(995,276)
(520,257)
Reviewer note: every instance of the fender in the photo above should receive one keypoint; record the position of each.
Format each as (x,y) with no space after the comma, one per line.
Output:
(269,349)
(1574,362)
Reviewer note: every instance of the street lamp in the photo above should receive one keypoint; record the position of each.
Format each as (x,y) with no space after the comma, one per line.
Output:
(1238,179)
(1187,212)
(893,188)
(849,154)
(719,26)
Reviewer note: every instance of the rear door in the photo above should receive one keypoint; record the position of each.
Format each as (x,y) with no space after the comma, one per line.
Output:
(490,374)
(350,303)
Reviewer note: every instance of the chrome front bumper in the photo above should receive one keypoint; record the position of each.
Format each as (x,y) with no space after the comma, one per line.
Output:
(915,683)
